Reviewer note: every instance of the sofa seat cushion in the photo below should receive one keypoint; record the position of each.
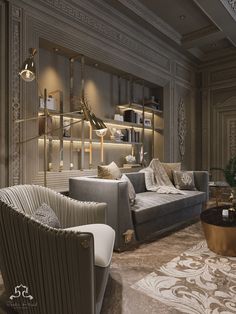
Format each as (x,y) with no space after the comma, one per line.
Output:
(104,237)
(151,205)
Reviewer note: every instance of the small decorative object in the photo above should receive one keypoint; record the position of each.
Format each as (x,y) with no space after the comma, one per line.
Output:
(152,103)
(66,127)
(51,104)
(147,122)
(118,117)
(225,213)
(143,158)
(130,159)
(116,134)
(112,131)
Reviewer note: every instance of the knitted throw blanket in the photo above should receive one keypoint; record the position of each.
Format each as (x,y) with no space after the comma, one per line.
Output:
(157,180)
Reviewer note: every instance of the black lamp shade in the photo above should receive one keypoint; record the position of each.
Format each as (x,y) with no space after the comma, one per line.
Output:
(28,69)
(96,123)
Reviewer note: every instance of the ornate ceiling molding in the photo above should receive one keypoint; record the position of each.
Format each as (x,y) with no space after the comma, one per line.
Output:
(148,16)
(90,21)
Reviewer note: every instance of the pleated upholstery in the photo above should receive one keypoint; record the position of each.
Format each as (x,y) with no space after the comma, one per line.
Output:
(27,198)
(55,264)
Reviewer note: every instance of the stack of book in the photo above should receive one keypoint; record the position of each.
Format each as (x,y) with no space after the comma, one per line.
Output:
(132,116)
(130,135)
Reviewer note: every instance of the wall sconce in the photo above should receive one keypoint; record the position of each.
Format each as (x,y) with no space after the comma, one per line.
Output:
(28,69)
(28,74)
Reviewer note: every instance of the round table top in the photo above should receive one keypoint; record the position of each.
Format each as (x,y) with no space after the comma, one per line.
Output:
(213,216)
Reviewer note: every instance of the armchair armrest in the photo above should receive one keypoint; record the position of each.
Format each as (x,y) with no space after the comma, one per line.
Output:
(72,213)
(112,192)
(201,179)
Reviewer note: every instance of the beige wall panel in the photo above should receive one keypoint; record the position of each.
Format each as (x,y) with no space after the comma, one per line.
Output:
(108,39)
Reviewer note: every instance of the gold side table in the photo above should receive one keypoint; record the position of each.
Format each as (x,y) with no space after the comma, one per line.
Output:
(219,230)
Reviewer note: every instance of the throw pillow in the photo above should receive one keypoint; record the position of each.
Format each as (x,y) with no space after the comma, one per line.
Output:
(131,191)
(46,216)
(170,167)
(184,180)
(110,171)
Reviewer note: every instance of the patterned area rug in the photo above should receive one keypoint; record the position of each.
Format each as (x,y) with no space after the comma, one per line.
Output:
(197,281)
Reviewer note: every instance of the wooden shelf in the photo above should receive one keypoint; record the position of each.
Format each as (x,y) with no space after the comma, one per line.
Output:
(130,125)
(123,123)
(139,107)
(87,140)
(55,113)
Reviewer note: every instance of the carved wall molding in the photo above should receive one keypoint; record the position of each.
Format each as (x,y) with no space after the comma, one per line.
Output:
(181,128)
(232,138)
(3,100)
(15,161)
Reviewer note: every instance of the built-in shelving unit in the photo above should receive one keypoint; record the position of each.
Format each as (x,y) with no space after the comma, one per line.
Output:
(80,149)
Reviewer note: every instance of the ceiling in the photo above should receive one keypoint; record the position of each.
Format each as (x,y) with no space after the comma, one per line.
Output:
(204,28)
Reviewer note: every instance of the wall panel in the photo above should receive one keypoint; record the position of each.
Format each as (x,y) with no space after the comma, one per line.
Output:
(86,28)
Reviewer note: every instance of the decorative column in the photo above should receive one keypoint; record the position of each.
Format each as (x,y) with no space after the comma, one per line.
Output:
(15,108)
(181,128)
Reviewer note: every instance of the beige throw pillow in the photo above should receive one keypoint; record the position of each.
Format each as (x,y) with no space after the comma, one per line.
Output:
(110,171)
(131,191)
(170,167)
(184,180)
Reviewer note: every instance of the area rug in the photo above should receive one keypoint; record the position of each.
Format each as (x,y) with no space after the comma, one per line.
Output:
(197,281)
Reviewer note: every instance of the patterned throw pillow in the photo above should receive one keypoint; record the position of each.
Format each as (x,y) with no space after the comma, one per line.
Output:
(46,216)
(170,167)
(131,191)
(110,171)
(184,180)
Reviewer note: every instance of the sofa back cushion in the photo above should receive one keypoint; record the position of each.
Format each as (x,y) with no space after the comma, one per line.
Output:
(138,181)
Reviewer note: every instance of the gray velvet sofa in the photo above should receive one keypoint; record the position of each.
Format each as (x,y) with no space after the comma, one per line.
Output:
(152,213)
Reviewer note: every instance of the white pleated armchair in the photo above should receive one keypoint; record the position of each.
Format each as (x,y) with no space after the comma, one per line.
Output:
(53,271)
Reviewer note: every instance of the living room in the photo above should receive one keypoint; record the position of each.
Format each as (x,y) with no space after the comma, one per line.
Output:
(133,83)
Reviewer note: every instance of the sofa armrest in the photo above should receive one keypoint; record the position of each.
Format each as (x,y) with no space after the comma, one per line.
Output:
(112,192)
(201,179)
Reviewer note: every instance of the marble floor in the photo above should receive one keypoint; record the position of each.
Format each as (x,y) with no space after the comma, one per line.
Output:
(130,266)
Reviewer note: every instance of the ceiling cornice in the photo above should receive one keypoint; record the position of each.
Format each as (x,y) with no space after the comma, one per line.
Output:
(222,14)
(147,15)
